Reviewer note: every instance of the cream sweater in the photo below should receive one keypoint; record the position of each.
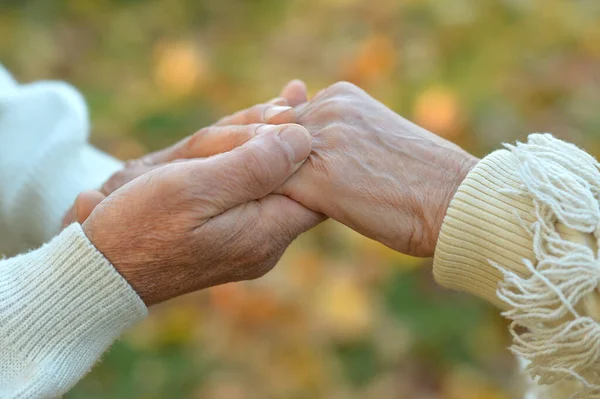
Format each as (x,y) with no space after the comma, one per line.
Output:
(522,232)
(63,304)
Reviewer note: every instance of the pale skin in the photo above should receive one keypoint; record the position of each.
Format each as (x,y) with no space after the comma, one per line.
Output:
(174,228)
(374,171)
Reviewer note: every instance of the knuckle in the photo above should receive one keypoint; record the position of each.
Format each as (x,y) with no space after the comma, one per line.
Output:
(113,182)
(171,181)
(332,135)
(327,156)
(132,163)
(245,133)
(202,132)
(193,141)
(256,114)
(323,166)
(343,87)
(286,231)
(265,259)
(332,107)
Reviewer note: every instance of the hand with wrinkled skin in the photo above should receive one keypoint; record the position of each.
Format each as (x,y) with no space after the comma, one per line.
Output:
(224,135)
(198,223)
(374,171)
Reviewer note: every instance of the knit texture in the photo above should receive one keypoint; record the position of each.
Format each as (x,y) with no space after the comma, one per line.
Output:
(521,233)
(61,306)
(45,160)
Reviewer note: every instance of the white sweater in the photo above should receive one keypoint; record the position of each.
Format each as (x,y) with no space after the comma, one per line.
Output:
(63,304)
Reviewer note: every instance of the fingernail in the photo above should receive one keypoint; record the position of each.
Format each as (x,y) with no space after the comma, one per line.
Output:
(265,128)
(276,110)
(298,141)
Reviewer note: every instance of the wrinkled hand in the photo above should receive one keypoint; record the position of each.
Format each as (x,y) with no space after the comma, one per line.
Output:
(198,223)
(226,134)
(374,171)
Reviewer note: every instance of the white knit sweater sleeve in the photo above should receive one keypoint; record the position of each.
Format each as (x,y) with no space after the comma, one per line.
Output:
(62,305)
(45,160)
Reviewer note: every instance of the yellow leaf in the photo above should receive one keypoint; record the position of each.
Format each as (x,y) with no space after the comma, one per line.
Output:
(345,308)
(374,60)
(179,68)
(437,109)
(466,383)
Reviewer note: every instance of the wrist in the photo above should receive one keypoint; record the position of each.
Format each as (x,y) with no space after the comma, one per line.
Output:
(111,247)
(461,165)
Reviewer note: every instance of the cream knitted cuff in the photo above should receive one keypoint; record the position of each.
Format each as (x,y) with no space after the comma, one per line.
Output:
(485,223)
(522,232)
(61,307)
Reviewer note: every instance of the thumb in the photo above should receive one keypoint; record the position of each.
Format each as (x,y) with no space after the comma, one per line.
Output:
(255,169)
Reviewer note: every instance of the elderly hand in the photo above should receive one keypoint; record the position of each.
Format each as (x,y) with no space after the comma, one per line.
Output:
(198,223)
(225,135)
(374,171)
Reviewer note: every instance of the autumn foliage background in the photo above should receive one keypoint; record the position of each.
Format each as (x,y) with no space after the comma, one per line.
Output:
(341,316)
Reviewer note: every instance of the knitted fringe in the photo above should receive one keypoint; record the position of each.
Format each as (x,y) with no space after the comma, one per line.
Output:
(559,342)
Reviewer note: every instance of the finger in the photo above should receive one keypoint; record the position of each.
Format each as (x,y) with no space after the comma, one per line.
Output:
(132,170)
(295,92)
(278,101)
(285,116)
(85,204)
(227,134)
(251,171)
(82,207)
(204,143)
(281,216)
(259,113)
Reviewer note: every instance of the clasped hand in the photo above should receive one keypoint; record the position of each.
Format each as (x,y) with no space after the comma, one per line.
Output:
(224,204)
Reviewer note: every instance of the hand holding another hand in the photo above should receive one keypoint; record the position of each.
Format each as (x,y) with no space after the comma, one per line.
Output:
(192,224)
(199,223)
(226,134)
(374,171)
(185,218)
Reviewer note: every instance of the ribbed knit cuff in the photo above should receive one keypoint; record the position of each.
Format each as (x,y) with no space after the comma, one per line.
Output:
(522,233)
(485,223)
(61,307)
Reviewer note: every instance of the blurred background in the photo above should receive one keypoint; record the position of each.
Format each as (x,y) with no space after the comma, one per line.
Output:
(341,316)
